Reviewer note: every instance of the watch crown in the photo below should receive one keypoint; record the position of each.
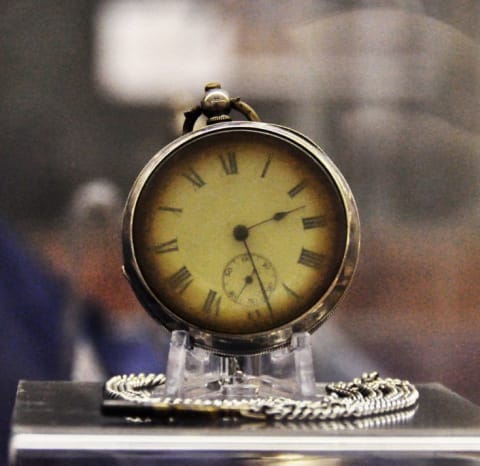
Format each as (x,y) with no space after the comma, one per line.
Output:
(212,85)
(216,103)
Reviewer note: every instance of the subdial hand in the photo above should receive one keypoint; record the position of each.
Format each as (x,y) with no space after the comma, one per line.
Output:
(248,281)
(276,217)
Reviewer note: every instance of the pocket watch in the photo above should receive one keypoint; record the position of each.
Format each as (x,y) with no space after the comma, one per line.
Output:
(241,233)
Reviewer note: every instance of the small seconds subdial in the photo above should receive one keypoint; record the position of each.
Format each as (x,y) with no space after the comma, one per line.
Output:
(241,283)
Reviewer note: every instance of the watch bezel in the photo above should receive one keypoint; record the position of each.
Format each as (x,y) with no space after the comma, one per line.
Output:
(253,343)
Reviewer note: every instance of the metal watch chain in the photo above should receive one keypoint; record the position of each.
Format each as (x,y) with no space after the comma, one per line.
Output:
(369,395)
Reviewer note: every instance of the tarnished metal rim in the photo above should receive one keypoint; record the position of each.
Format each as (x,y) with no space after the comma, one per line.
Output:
(254,343)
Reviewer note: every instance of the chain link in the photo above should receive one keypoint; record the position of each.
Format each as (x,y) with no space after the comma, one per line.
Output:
(368,395)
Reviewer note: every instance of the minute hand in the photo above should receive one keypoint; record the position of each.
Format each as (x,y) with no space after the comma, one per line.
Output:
(262,287)
(276,217)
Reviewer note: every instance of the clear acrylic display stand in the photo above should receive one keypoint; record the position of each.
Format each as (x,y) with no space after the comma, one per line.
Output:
(195,372)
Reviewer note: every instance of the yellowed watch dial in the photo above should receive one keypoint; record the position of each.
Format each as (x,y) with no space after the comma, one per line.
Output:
(239,232)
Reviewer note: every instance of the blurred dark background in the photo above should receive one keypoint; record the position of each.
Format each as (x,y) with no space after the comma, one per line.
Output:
(390,89)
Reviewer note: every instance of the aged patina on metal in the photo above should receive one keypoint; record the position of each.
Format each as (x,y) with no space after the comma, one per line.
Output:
(241,233)
(216,105)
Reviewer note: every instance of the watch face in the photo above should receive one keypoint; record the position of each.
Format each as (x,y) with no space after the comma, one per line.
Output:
(239,231)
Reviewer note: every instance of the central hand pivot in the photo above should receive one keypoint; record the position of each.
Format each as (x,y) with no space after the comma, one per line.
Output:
(240,232)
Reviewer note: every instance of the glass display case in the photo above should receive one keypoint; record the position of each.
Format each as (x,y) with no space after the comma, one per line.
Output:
(390,90)
(61,423)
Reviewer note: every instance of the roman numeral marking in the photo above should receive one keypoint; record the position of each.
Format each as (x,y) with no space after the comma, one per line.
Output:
(180,280)
(254,315)
(297,188)
(212,302)
(314,222)
(311,259)
(167,246)
(229,163)
(266,167)
(194,178)
(290,291)
(175,210)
